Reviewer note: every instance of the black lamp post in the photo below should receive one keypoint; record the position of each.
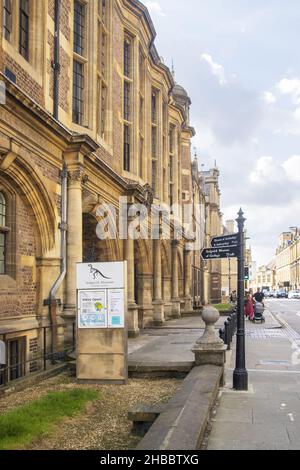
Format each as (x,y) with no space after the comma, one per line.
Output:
(240,374)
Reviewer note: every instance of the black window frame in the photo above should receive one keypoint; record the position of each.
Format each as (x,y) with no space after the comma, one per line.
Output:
(127,98)
(16,354)
(78,92)
(7,19)
(24,37)
(127,57)
(127,147)
(79,36)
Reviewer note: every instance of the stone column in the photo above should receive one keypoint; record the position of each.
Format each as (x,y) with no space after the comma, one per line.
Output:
(210,349)
(132,309)
(188,304)
(74,234)
(158,305)
(175,286)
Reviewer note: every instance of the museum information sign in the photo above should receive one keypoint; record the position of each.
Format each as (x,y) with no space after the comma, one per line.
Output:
(101,333)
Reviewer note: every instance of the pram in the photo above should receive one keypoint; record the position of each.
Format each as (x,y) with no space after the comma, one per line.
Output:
(258,312)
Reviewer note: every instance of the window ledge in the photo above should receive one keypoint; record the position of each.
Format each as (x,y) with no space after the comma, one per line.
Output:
(7,282)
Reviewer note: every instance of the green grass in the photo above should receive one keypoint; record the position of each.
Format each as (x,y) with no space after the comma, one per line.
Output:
(223,307)
(21,426)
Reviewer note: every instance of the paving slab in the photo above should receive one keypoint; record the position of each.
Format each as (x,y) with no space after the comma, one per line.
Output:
(272,399)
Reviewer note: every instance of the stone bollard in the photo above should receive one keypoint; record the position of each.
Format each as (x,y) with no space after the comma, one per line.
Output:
(210,349)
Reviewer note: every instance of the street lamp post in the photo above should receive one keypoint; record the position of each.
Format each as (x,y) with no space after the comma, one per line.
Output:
(240,374)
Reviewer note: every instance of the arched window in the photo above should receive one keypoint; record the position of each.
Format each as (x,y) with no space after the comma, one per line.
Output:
(3,231)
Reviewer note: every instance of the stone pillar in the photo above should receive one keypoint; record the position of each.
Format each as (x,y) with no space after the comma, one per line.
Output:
(188,304)
(132,309)
(210,349)
(167,288)
(145,300)
(175,289)
(74,234)
(158,305)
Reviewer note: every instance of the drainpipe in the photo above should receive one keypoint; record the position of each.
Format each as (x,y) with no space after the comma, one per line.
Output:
(55,62)
(63,255)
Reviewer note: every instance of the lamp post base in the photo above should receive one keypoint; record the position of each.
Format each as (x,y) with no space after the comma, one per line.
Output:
(240,380)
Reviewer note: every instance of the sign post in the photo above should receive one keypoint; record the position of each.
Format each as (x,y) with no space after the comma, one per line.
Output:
(240,374)
(101,334)
(220,252)
(232,246)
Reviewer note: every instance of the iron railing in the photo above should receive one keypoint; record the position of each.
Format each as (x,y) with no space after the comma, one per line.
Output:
(42,357)
(230,326)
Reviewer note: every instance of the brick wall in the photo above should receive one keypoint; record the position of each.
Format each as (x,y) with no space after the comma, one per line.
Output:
(22,299)
(64,16)
(24,80)
(64,77)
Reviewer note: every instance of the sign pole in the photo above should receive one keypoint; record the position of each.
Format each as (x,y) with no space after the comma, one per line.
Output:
(240,374)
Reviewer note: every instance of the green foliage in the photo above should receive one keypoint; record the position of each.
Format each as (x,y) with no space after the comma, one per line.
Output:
(24,424)
(223,307)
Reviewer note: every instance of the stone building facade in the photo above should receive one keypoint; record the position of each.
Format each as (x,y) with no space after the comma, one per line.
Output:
(90,105)
(288,260)
(266,276)
(213,223)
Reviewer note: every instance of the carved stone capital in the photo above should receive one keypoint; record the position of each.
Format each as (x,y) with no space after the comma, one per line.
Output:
(77,176)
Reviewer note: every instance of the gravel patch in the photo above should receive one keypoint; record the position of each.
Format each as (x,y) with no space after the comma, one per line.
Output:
(104,424)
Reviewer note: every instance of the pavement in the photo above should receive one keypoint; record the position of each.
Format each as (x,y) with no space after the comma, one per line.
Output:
(167,347)
(267,417)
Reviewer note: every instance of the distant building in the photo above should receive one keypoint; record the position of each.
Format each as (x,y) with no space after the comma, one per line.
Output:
(266,276)
(283,260)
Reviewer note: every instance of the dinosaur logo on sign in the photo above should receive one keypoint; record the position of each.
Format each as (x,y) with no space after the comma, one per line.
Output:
(96,273)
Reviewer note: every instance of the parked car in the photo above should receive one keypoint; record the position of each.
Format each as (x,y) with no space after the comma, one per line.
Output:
(271,294)
(281,294)
(294,294)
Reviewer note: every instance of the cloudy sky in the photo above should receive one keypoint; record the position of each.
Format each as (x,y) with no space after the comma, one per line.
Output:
(240,62)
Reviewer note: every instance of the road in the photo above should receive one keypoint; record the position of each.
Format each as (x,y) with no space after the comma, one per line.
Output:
(288,310)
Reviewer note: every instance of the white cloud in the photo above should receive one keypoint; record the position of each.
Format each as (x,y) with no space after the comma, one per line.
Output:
(266,170)
(217,69)
(205,138)
(155,7)
(290,86)
(292,168)
(269,97)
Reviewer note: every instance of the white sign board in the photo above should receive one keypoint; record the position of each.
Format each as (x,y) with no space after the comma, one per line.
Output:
(101,295)
(2,353)
(116,303)
(100,276)
(92,309)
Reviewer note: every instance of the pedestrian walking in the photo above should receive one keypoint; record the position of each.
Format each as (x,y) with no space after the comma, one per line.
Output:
(249,308)
(259,296)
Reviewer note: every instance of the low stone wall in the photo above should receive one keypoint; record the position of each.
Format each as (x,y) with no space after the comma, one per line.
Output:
(181,426)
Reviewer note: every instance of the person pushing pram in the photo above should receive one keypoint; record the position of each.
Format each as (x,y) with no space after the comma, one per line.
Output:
(259,306)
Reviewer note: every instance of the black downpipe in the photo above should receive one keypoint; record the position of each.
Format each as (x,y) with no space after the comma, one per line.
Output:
(56,63)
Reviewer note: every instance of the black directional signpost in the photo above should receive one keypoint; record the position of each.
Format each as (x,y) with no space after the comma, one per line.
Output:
(220,253)
(225,241)
(232,246)
(240,374)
